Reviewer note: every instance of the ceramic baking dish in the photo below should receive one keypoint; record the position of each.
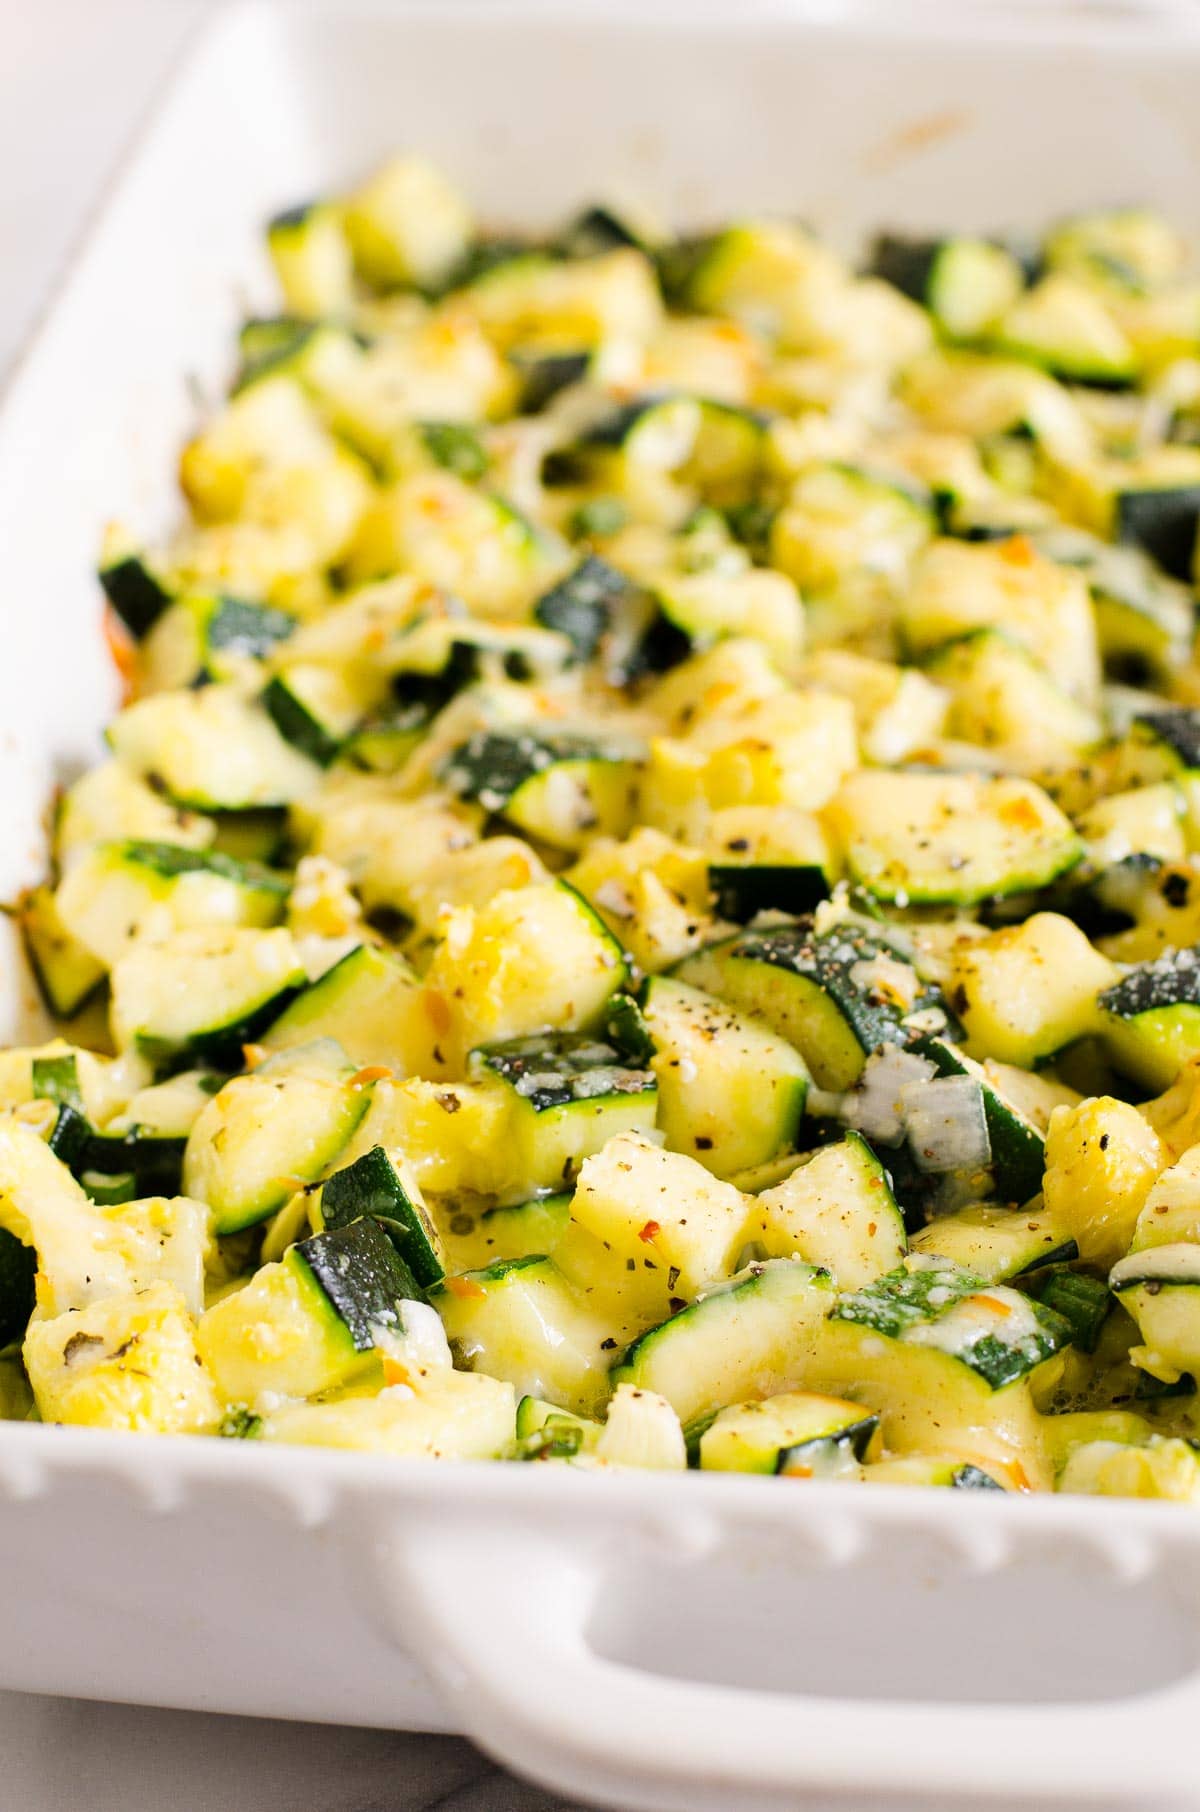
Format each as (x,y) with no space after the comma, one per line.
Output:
(681,1642)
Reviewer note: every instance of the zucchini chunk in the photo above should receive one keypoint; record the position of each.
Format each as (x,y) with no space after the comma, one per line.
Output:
(451,1416)
(731,1092)
(1163,521)
(919,1469)
(115,891)
(1002,699)
(1083,1302)
(567,1093)
(559,789)
(312,259)
(204,636)
(837,1211)
(316,709)
(1009,586)
(204,992)
(533,959)
(607,616)
(67,973)
(835,995)
(768,859)
(661,1210)
(793,1435)
(212,750)
(944,1360)
(531,1229)
(950,838)
(966,284)
(314,1321)
(377,1184)
(997,1244)
(756,1334)
(137,593)
(88,1251)
(1065,328)
(1151,1018)
(407,225)
(1029,990)
(271,1132)
(522,1321)
(1160,1287)
(129,1362)
(369,1002)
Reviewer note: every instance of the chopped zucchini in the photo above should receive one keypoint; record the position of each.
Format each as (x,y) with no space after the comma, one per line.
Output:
(271,1132)
(837,995)
(67,972)
(129,1362)
(950,838)
(211,749)
(567,1094)
(754,1335)
(836,1210)
(997,1244)
(966,284)
(1151,1018)
(204,992)
(661,1210)
(1029,990)
(731,1092)
(312,1322)
(522,1321)
(793,1435)
(117,892)
(370,1002)
(312,259)
(451,1416)
(558,789)
(377,1184)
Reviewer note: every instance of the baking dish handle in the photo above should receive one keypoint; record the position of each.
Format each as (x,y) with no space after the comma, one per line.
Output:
(502,1626)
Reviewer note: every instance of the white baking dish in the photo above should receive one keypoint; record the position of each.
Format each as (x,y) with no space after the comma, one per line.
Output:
(677,1642)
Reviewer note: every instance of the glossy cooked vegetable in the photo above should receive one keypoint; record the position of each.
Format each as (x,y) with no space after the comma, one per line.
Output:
(643,906)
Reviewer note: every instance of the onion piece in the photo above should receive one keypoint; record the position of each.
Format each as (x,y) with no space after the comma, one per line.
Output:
(947,1125)
(876,1105)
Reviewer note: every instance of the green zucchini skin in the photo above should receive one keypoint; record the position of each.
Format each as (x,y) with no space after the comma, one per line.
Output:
(1177,732)
(298,724)
(18,1265)
(155,1161)
(363,1277)
(138,598)
(910,1299)
(599,609)
(820,968)
(456,448)
(1080,1299)
(1164,523)
(372,1186)
(1172,980)
(544,376)
(973,1478)
(561,1070)
(742,889)
(236,627)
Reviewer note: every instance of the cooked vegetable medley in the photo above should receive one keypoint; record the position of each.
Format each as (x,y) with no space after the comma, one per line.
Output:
(643,906)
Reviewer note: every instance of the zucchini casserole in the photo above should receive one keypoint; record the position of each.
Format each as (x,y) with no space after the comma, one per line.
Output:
(642,907)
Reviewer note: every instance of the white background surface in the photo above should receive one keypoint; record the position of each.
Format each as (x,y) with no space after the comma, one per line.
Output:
(76,79)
